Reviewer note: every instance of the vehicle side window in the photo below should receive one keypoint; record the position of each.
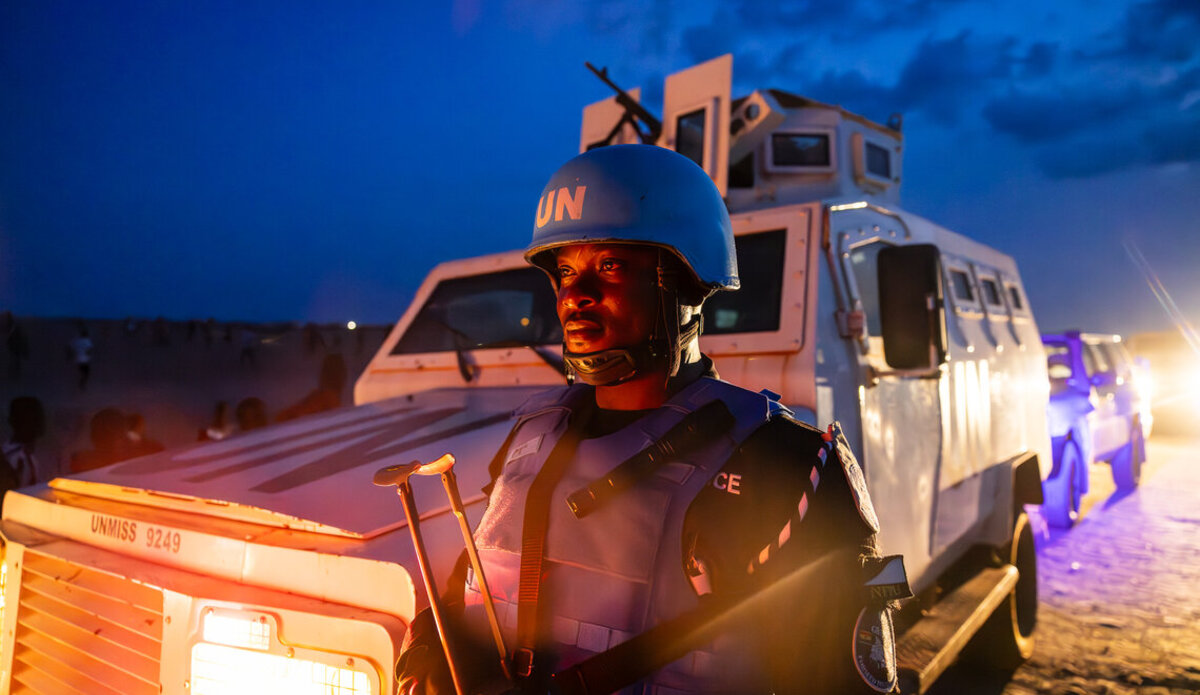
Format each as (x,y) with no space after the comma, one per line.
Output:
(1117,357)
(1094,359)
(1015,295)
(991,292)
(1058,361)
(689,135)
(962,285)
(800,149)
(756,306)
(1089,361)
(863,261)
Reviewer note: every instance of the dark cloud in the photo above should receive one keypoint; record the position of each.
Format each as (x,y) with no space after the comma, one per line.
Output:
(1171,142)
(842,21)
(706,41)
(1150,33)
(1087,157)
(941,79)
(1039,60)
(651,21)
(1174,141)
(852,91)
(1040,117)
(944,74)
(794,14)
(1097,127)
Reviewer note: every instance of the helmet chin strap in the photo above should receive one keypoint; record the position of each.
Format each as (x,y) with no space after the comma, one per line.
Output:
(666,342)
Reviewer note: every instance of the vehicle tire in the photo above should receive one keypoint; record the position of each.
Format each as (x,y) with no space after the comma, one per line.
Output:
(1063,510)
(1006,640)
(1127,464)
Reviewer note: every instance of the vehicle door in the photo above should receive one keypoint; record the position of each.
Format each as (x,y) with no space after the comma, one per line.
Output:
(1128,401)
(900,412)
(964,495)
(1110,431)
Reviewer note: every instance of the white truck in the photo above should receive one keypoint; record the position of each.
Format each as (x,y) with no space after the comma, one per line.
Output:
(268,562)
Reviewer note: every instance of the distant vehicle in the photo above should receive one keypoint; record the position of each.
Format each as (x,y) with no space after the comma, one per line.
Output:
(1174,370)
(1099,411)
(272,550)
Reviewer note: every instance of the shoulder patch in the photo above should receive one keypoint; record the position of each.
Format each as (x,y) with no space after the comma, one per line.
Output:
(854,476)
(875,649)
(525,448)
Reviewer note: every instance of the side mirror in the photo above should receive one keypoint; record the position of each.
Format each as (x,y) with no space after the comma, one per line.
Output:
(911,303)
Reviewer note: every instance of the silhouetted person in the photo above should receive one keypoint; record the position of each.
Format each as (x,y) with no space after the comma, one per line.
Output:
(313,338)
(16,342)
(109,442)
(251,413)
(248,341)
(328,394)
(81,350)
(162,332)
(27,420)
(139,443)
(192,326)
(220,427)
(209,327)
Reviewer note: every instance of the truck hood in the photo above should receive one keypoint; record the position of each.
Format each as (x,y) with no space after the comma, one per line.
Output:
(314,473)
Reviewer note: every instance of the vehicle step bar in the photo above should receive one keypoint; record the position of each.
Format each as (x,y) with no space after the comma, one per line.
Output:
(926,649)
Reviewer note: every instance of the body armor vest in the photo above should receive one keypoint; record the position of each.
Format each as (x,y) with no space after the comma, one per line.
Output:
(618,571)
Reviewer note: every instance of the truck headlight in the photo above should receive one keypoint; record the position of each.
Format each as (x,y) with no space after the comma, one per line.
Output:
(238,654)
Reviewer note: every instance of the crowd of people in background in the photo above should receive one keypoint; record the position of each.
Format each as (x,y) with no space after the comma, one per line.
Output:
(18,454)
(117,434)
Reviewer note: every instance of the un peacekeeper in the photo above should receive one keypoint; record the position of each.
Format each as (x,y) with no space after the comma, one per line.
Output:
(651,528)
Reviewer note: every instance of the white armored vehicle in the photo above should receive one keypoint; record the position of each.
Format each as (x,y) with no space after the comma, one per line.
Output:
(268,562)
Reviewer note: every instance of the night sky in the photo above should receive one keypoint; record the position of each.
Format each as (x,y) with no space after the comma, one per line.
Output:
(301,161)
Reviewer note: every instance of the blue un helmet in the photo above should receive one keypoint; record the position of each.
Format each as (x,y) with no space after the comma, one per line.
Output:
(637,194)
(640,194)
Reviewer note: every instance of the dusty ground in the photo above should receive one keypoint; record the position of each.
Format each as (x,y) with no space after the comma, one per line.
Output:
(1120,593)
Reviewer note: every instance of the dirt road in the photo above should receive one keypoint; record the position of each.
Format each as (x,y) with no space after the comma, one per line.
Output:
(1119,594)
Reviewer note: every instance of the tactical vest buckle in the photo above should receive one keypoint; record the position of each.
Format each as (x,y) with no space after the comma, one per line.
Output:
(523,662)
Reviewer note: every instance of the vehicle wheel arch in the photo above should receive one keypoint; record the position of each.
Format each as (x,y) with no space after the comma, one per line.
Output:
(1027,482)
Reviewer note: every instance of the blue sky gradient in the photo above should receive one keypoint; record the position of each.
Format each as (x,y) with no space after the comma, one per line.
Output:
(297,161)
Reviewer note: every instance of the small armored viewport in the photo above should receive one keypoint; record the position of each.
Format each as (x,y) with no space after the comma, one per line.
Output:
(766,149)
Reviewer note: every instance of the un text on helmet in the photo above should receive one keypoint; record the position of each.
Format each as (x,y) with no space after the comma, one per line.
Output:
(567,201)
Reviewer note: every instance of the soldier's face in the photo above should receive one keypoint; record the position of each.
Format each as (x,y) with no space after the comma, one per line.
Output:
(607,295)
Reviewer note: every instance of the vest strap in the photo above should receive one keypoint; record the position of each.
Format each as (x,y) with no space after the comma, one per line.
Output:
(697,428)
(533,540)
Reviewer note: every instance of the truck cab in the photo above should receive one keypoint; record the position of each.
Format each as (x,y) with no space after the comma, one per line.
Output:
(272,548)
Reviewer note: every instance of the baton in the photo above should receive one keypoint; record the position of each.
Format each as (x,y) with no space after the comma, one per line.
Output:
(398,475)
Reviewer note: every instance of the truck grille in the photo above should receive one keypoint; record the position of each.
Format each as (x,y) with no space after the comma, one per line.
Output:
(83,631)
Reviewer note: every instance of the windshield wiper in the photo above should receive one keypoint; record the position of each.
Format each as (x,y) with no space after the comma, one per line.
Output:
(464,367)
(555,361)
(462,343)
